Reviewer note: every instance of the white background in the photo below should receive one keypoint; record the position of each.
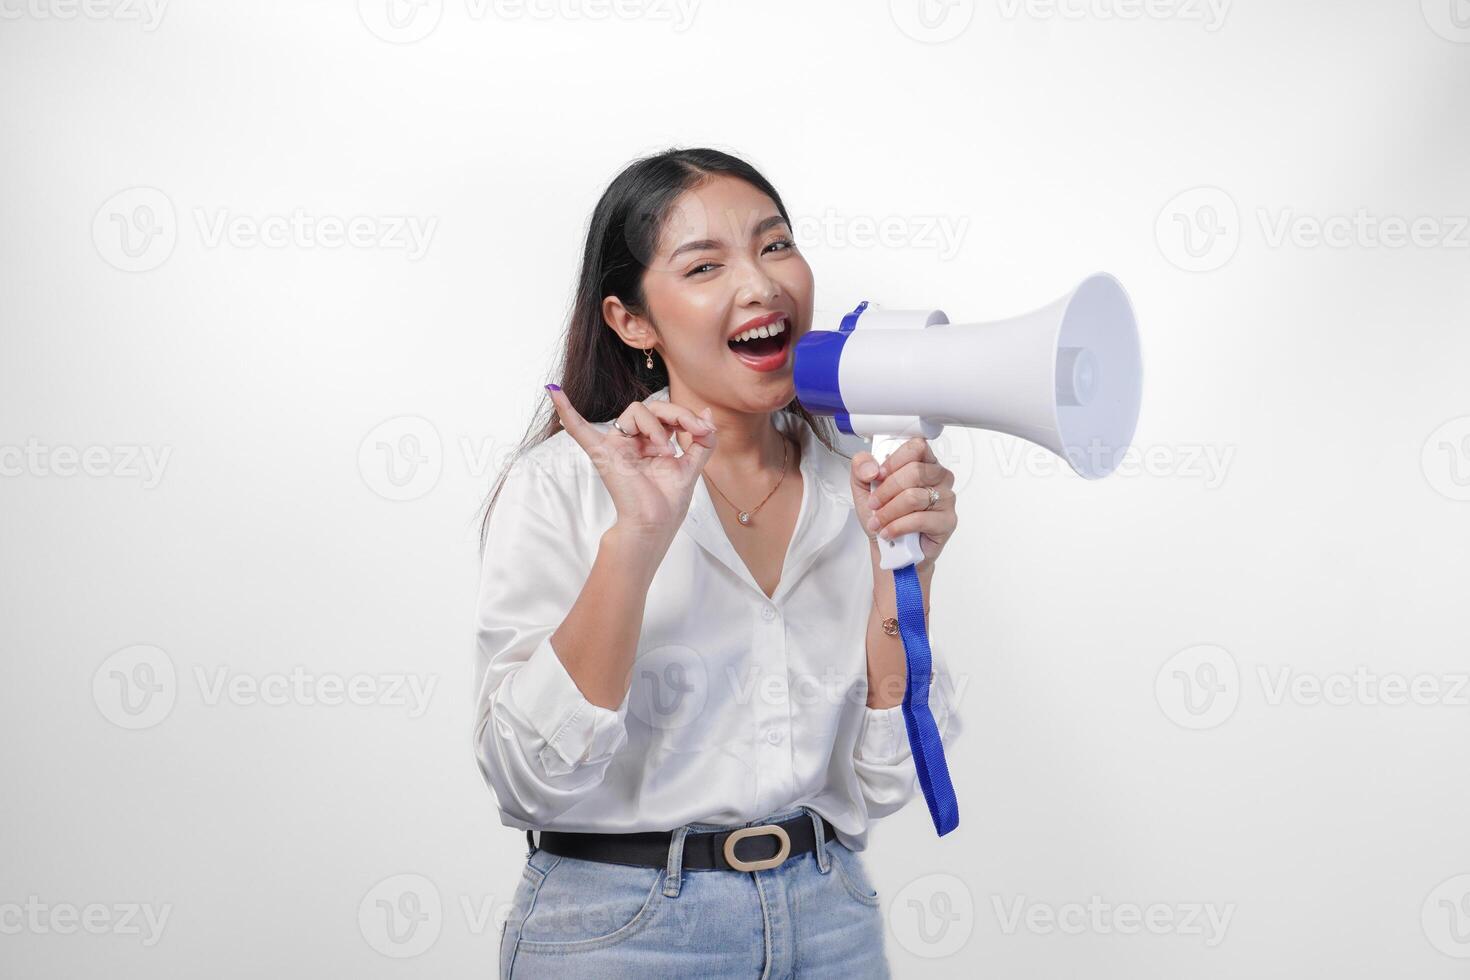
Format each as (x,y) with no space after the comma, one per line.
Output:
(1298,513)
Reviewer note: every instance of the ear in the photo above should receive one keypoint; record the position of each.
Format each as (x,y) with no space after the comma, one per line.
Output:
(634,330)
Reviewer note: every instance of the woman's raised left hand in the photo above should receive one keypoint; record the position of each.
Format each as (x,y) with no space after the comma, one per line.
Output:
(901,501)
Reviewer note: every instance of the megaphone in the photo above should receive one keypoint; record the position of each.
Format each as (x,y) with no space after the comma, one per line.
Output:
(1067,377)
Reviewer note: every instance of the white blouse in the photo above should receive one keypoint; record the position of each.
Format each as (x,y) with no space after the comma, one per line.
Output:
(740,706)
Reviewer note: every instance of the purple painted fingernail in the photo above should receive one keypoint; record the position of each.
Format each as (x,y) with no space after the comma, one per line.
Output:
(554,387)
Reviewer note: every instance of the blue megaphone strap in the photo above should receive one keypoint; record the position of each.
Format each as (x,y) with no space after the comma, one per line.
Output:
(924,740)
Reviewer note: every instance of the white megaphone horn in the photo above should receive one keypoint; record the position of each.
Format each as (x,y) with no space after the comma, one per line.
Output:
(1066,377)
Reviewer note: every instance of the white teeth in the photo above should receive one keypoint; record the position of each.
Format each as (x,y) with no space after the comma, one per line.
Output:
(769,331)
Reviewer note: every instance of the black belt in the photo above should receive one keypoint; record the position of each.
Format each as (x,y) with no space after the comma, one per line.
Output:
(742,849)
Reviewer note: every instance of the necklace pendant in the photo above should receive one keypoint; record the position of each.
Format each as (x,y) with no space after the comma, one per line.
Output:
(744,518)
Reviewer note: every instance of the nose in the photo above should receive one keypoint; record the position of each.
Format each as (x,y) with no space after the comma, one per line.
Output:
(756,286)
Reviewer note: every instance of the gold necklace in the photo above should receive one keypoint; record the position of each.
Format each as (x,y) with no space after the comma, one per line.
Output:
(744,516)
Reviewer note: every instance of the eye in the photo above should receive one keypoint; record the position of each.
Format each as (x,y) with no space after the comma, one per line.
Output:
(786,243)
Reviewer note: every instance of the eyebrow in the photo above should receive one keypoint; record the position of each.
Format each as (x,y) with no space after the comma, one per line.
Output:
(703,243)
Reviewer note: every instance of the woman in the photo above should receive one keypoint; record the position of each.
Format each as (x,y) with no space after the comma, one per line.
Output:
(645,693)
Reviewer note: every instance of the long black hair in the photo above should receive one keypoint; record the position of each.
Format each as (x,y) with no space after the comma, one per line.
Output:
(600,374)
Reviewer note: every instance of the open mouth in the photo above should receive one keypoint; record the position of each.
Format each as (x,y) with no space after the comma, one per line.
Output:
(763,347)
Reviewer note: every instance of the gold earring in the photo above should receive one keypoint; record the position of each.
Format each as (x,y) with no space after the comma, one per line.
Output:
(648,355)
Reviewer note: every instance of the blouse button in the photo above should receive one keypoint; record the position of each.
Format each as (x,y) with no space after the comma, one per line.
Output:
(768,613)
(774,736)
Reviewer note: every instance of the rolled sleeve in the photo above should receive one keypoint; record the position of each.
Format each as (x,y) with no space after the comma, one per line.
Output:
(540,744)
(885,739)
(575,731)
(883,758)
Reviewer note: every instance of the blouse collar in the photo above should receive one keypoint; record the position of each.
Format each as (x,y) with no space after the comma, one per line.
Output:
(826,505)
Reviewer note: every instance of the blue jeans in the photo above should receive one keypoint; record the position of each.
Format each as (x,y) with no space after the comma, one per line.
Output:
(815,915)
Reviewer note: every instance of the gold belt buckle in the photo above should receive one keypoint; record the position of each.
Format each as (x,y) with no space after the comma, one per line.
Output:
(775,830)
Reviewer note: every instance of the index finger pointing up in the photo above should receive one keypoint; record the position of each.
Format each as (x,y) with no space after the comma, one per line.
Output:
(577,427)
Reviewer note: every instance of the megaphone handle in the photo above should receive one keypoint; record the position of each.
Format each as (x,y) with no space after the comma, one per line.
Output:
(904,549)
